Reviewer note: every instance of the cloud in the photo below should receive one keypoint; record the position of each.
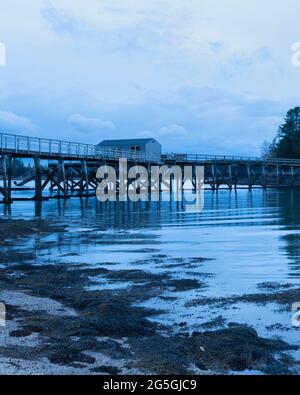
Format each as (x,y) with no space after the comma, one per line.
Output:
(86,125)
(210,120)
(59,21)
(169,136)
(243,61)
(216,46)
(12,122)
(264,54)
(118,27)
(165,66)
(173,130)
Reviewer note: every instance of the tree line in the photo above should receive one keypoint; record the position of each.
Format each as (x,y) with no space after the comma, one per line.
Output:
(286,144)
(19,168)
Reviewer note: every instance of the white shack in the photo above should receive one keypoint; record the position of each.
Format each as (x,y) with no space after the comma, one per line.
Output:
(148,148)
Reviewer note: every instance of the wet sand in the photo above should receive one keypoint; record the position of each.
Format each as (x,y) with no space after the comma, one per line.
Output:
(58,323)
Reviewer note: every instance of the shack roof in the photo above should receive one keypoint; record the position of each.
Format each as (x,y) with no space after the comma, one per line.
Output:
(126,142)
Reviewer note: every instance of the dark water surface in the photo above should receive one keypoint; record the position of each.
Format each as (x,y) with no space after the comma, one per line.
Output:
(247,238)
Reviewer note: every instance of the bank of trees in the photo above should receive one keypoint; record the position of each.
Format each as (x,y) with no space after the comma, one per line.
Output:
(19,168)
(287,142)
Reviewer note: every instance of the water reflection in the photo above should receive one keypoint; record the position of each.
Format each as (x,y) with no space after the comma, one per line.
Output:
(289,213)
(243,231)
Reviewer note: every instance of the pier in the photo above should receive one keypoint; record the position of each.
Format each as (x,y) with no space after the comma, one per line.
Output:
(71,168)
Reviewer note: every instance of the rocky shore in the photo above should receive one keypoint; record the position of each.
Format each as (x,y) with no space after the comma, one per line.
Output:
(58,324)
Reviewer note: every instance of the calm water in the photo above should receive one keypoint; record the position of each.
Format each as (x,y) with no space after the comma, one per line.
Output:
(249,237)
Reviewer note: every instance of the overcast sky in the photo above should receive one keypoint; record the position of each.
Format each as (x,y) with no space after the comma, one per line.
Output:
(202,76)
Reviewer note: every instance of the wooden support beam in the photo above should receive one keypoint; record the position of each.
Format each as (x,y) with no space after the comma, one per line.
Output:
(7,178)
(213,184)
(249,177)
(4,176)
(230,183)
(93,183)
(277,175)
(46,182)
(160,183)
(235,177)
(25,181)
(172,180)
(38,179)
(292,177)
(264,177)
(218,176)
(62,177)
(194,178)
(72,182)
(149,180)
(85,176)
(55,181)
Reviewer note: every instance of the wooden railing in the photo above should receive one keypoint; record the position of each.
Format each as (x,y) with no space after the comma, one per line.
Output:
(196,158)
(11,143)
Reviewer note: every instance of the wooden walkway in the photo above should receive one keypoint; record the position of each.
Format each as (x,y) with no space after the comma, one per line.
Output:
(72,167)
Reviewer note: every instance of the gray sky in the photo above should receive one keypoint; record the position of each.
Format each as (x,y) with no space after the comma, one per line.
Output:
(202,76)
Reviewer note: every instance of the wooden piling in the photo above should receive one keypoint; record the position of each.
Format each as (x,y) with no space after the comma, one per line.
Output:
(249,177)
(213,177)
(230,177)
(264,177)
(292,176)
(62,174)
(38,179)
(85,177)
(277,176)
(7,178)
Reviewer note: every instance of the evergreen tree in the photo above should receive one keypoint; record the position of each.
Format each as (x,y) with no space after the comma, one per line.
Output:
(287,142)
(19,168)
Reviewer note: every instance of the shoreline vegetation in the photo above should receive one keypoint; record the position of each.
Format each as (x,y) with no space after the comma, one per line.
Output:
(57,324)
(286,143)
(20,168)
